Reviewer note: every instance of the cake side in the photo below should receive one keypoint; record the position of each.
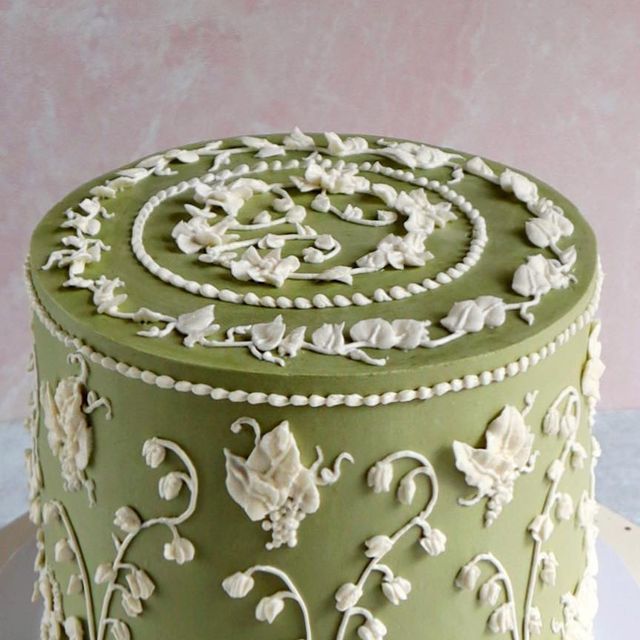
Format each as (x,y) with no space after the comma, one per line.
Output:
(261,466)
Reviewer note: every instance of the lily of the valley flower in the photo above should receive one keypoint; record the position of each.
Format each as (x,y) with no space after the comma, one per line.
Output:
(502,620)
(534,621)
(396,590)
(62,551)
(564,506)
(594,367)
(548,568)
(74,586)
(179,550)
(140,584)
(378,546)
(73,628)
(473,315)
(169,486)
(238,585)
(271,268)
(380,476)
(434,542)
(541,528)
(489,592)
(154,453)
(132,606)
(119,630)
(398,252)
(372,629)
(347,596)
(104,573)
(127,520)
(269,608)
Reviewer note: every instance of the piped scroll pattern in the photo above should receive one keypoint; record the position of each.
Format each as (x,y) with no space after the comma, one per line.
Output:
(273,486)
(562,420)
(394,587)
(69,434)
(226,190)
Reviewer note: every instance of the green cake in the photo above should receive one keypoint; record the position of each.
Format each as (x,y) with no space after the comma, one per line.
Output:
(314,386)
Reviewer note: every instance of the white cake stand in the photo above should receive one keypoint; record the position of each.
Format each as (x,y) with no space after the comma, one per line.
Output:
(619,581)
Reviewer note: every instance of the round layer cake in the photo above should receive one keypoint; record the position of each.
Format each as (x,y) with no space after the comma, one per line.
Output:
(314,386)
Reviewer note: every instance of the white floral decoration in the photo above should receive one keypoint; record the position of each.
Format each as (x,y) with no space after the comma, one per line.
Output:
(493,470)
(273,486)
(432,541)
(215,234)
(132,584)
(69,434)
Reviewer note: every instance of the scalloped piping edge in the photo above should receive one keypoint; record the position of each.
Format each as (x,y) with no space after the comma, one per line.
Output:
(470,381)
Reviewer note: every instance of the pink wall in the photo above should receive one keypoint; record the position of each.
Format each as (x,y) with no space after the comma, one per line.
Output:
(551,87)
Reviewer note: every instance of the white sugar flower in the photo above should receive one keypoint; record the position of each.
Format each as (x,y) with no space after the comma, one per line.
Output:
(62,551)
(417,155)
(341,178)
(378,546)
(564,506)
(336,146)
(433,542)
(154,453)
(104,573)
(548,568)
(398,252)
(127,520)
(196,234)
(534,621)
(396,590)
(269,608)
(197,325)
(131,605)
(473,315)
(541,528)
(522,188)
(179,550)
(502,620)
(140,584)
(238,585)
(372,629)
(489,593)
(119,630)
(169,486)
(271,268)
(380,476)
(347,596)
(538,276)
(73,628)
(468,577)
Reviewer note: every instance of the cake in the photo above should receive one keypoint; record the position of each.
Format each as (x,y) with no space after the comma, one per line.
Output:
(314,386)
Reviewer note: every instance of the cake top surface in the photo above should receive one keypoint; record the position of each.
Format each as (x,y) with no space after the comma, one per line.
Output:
(315,256)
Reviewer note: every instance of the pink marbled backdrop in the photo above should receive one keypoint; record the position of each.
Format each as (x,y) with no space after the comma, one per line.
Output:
(552,87)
